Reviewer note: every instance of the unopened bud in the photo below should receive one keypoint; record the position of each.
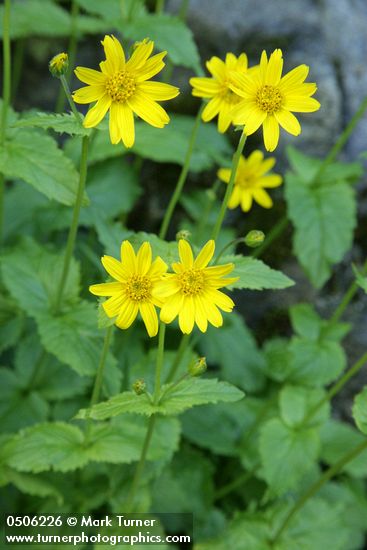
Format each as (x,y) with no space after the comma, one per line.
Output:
(254,238)
(139,386)
(184,234)
(198,367)
(59,64)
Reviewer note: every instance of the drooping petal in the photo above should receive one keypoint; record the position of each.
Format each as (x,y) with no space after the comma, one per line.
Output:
(200,314)
(106,289)
(186,318)
(235,198)
(205,255)
(127,315)
(246,200)
(221,300)
(288,121)
(150,318)
(185,252)
(114,124)
(213,314)
(89,94)
(159,91)
(254,122)
(127,126)
(148,110)
(271,132)
(96,113)
(224,117)
(212,108)
(171,308)
(262,198)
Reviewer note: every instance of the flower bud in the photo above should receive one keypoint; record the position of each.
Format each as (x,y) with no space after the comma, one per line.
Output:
(198,367)
(254,238)
(184,234)
(139,386)
(59,64)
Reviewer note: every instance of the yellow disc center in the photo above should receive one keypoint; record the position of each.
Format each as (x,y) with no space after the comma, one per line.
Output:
(192,282)
(269,99)
(121,86)
(139,288)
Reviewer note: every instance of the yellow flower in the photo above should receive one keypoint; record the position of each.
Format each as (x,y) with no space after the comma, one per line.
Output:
(222,98)
(251,179)
(135,287)
(269,98)
(123,88)
(191,292)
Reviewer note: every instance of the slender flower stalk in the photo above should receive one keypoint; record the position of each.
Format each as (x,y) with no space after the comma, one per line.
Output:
(74,223)
(182,177)
(178,357)
(348,297)
(327,475)
(6,99)
(230,186)
(148,437)
(67,91)
(72,47)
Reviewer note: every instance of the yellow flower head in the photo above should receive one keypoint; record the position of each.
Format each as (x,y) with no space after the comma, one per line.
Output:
(59,64)
(251,179)
(191,292)
(123,87)
(134,291)
(269,98)
(217,89)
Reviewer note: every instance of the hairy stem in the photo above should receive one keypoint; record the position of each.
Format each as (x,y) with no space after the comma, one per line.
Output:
(182,178)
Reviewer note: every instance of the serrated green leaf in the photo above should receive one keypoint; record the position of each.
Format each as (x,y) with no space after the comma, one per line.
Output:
(62,447)
(286,454)
(295,402)
(255,275)
(175,399)
(360,410)
(324,218)
(73,337)
(305,321)
(336,439)
(33,485)
(235,352)
(35,158)
(243,532)
(278,365)
(169,33)
(31,274)
(64,123)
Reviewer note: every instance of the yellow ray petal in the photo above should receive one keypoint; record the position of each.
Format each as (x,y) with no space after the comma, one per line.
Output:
(127,126)
(128,256)
(144,258)
(219,270)
(185,252)
(288,122)
(148,110)
(212,108)
(213,314)
(221,300)
(224,174)
(115,268)
(205,255)
(273,180)
(171,308)
(235,198)
(96,113)
(112,306)
(246,200)
(271,133)
(140,55)
(217,68)
(262,198)
(295,77)
(274,68)
(89,76)
(224,118)
(106,289)
(186,318)
(301,104)
(115,57)
(200,315)
(151,67)
(149,316)
(255,120)
(89,94)
(128,315)
(157,268)
(159,91)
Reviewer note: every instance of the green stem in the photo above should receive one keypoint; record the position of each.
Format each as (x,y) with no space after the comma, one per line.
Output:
(183,10)
(67,92)
(17,65)
(148,437)
(348,297)
(6,99)
(228,193)
(72,47)
(74,223)
(182,178)
(37,370)
(328,474)
(336,387)
(212,195)
(234,484)
(229,245)
(159,6)
(275,232)
(178,357)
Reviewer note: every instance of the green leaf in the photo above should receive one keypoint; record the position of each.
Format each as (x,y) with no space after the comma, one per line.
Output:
(255,275)
(73,337)
(305,321)
(64,123)
(175,399)
(361,279)
(169,33)
(11,323)
(324,218)
(63,447)
(244,532)
(295,402)
(32,485)
(35,158)
(336,439)
(31,274)
(360,410)
(286,454)
(278,357)
(236,352)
